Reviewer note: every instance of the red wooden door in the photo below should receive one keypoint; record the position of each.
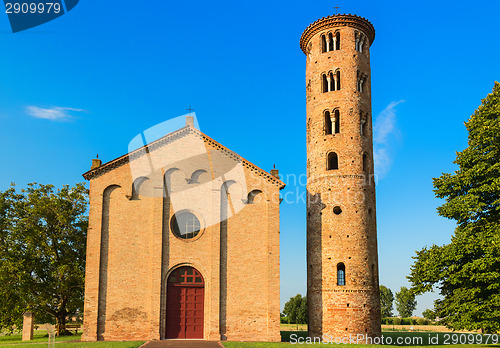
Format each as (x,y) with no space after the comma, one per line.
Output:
(185,299)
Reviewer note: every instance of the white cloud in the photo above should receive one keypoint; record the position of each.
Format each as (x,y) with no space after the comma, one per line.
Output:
(384,128)
(56,113)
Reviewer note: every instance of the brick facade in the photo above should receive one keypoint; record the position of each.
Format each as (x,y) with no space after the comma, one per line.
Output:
(341,219)
(131,249)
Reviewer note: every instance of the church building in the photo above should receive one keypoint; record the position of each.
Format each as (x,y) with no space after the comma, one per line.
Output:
(184,235)
(183,242)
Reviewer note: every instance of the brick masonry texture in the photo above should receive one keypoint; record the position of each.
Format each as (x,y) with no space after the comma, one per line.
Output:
(131,249)
(349,237)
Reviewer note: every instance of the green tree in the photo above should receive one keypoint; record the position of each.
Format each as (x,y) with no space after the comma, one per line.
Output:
(303,317)
(296,310)
(386,300)
(429,314)
(42,253)
(467,271)
(405,302)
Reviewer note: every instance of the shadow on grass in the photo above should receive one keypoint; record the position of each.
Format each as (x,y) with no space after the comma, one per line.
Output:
(40,336)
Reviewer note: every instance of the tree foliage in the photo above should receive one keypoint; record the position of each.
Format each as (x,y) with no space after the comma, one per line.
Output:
(386,300)
(42,253)
(429,314)
(467,271)
(405,302)
(296,310)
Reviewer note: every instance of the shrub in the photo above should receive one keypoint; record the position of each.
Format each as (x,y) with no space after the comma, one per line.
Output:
(407,321)
(396,321)
(421,321)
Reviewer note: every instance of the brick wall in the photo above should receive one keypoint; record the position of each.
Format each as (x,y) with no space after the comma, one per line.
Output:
(131,250)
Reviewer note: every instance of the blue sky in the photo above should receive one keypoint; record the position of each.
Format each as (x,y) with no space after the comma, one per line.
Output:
(109,69)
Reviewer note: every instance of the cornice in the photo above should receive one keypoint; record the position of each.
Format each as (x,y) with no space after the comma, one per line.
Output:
(169,138)
(337,21)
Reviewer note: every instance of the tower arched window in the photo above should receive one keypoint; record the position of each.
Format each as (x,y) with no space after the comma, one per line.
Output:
(361,81)
(341,274)
(363,124)
(328,42)
(337,41)
(328,123)
(332,80)
(338,81)
(308,48)
(366,163)
(359,42)
(337,121)
(324,83)
(333,161)
(323,43)
(331,43)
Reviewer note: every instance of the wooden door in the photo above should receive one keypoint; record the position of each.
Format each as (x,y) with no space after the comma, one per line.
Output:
(185,303)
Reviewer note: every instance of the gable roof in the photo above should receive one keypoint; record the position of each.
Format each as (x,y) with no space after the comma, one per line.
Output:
(169,138)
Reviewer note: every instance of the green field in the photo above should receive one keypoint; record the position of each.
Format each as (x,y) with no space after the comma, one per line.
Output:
(77,345)
(40,340)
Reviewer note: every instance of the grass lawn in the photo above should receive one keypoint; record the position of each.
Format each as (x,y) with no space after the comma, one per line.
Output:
(38,336)
(78,345)
(40,341)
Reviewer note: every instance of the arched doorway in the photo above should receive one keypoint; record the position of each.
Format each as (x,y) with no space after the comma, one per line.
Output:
(185,299)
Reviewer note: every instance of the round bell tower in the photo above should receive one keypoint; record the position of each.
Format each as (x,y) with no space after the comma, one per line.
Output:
(342,260)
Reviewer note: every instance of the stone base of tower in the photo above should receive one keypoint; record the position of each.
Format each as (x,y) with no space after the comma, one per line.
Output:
(346,316)
(351,313)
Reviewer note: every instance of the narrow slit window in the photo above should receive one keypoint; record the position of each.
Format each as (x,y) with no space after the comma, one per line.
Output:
(341,274)
(333,161)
